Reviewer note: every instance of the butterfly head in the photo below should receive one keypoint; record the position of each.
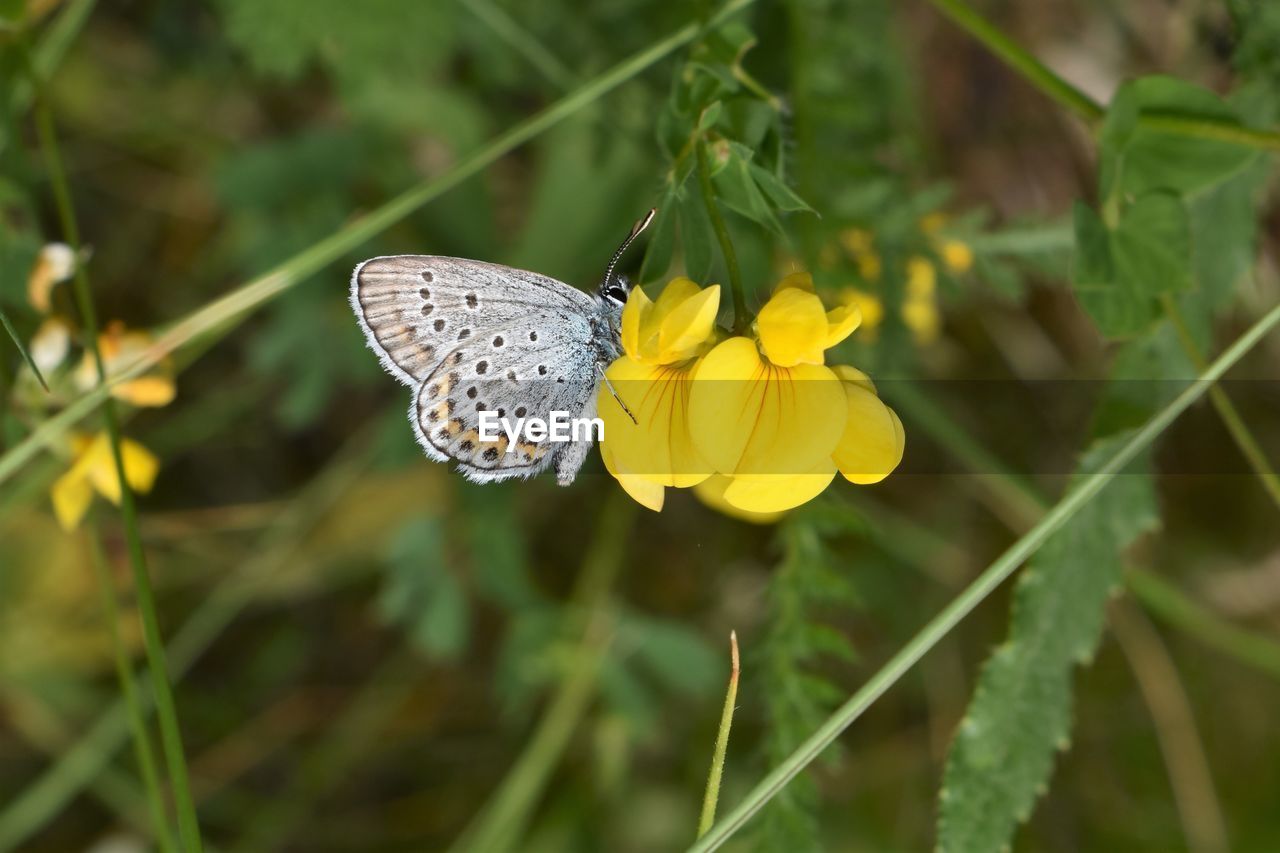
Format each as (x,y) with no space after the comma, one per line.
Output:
(615,288)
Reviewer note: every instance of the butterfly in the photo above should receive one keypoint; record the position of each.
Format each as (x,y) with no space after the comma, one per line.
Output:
(472,337)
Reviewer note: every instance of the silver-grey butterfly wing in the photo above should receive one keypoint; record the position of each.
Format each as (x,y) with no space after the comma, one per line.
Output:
(415,308)
(472,336)
(525,370)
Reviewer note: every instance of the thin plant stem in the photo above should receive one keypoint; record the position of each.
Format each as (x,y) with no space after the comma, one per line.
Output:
(521,41)
(991,578)
(124,674)
(712,795)
(222,315)
(722,235)
(22,350)
(1174,607)
(1043,78)
(1019,59)
(170,734)
(1180,744)
(1227,411)
(501,822)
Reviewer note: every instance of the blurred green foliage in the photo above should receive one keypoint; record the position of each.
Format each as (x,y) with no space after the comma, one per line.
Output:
(372,644)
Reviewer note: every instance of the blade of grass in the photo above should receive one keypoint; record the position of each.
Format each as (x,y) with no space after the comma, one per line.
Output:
(17,342)
(712,795)
(137,720)
(976,592)
(166,710)
(223,314)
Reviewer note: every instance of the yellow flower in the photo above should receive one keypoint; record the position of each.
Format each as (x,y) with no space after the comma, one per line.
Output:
(121,347)
(662,343)
(756,425)
(94,469)
(919,310)
(55,263)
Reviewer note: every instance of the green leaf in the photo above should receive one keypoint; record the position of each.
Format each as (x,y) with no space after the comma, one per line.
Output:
(1152,245)
(697,239)
(17,342)
(779,194)
(737,189)
(1118,311)
(1020,715)
(1138,158)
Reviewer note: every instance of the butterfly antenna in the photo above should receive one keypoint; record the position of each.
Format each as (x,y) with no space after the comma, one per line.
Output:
(640,225)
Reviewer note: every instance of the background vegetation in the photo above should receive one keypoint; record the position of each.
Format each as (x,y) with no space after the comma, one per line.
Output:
(365,652)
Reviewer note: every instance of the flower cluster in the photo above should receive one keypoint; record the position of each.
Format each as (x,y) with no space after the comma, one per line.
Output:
(759,423)
(91,464)
(920,297)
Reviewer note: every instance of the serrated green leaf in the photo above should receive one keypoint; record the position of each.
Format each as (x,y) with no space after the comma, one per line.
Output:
(1020,716)
(1152,245)
(1092,267)
(1138,158)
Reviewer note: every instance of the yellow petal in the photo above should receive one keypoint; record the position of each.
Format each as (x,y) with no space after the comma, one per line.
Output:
(747,416)
(922,318)
(776,493)
(146,391)
(55,263)
(711,492)
(677,291)
(71,494)
(957,256)
(688,325)
(873,440)
(797,280)
(634,314)
(869,306)
(841,322)
(140,467)
(647,494)
(658,446)
(793,327)
(847,373)
(922,279)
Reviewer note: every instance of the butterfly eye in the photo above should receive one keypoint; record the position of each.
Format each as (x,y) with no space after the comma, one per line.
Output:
(616,293)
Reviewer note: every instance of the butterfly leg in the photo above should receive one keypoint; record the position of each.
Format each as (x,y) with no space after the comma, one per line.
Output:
(614,392)
(571,456)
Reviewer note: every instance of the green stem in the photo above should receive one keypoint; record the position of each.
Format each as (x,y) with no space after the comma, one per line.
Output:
(501,821)
(221,316)
(1019,59)
(1173,606)
(976,592)
(1227,411)
(712,795)
(722,236)
(1039,75)
(137,718)
(171,739)
(22,350)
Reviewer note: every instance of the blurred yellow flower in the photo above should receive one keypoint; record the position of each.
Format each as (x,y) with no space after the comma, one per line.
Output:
(662,342)
(94,469)
(121,347)
(55,264)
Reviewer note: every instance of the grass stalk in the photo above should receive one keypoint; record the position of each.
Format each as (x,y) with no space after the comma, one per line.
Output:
(137,717)
(170,734)
(223,314)
(716,774)
(992,577)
